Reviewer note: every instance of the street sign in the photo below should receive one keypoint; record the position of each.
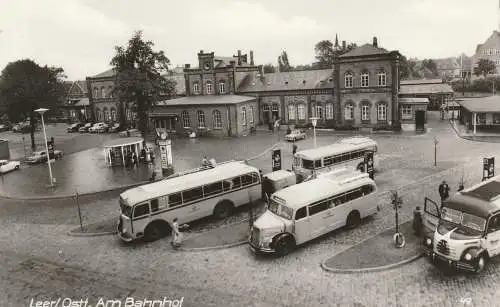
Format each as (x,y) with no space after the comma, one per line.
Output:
(50,145)
(488,168)
(276,160)
(369,164)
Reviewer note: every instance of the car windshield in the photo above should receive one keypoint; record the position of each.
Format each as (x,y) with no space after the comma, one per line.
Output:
(280,210)
(462,223)
(125,209)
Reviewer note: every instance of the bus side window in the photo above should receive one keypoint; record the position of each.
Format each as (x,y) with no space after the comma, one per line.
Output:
(174,200)
(337,159)
(494,224)
(193,194)
(236,182)
(154,205)
(354,194)
(328,161)
(255,178)
(367,189)
(246,179)
(317,208)
(141,210)
(317,164)
(226,185)
(301,213)
(213,188)
(339,200)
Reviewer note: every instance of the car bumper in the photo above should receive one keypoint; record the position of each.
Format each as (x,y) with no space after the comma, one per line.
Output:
(438,259)
(261,250)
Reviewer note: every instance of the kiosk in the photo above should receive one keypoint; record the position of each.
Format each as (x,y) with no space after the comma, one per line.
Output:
(118,151)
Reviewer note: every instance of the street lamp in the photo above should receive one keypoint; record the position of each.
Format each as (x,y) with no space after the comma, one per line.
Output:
(41,111)
(314,121)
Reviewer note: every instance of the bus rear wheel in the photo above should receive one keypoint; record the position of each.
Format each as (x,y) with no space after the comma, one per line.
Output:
(353,220)
(223,209)
(156,231)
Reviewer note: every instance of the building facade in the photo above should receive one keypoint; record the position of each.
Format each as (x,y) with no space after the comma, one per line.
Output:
(77,105)
(489,50)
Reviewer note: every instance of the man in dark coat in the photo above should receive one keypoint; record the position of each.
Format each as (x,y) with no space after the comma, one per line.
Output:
(444,191)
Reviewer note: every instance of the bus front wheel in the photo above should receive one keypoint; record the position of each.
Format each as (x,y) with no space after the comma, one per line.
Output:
(223,209)
(284,245)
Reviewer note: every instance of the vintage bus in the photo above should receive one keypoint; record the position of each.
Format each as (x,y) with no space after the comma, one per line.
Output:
(465,232)
(305,211)
(347,152)
(148,211)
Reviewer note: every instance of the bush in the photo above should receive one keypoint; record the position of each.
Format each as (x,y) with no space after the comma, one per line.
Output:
(346,128)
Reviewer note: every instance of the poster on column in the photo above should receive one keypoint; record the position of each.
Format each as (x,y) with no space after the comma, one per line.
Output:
(165,153)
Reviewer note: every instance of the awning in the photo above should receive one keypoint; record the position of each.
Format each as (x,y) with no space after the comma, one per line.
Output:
(481,105)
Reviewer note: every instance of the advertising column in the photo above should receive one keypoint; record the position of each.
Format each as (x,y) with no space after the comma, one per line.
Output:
(166,155)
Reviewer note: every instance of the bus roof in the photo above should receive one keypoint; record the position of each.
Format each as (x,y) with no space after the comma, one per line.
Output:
(299,195)
(481,199)
(328,150)
(357,140)
(191,180)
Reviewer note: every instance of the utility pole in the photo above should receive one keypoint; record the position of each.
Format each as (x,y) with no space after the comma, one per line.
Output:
(435,150)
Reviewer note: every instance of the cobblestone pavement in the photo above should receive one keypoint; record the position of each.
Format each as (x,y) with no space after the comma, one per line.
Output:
(235,277)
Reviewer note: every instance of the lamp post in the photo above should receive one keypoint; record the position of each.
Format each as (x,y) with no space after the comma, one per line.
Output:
(314,121)
(41,111)
(435,150)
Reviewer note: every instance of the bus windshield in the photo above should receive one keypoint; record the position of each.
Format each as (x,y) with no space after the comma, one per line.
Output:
(280,210)
(307,164)
(462,223)
(125,209)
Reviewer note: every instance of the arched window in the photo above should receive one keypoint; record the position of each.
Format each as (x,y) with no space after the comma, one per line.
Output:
(382,78)
(222,87)
(96,92)
(250,115)
(217,119)
(319,112)
(382,112)
(349,111)
(185,119)
(209,87)
(365,111)
(106,114)
(329,111)
(365,80)
(196,87)
(103,92)
(301,111)
(113,114)
(110,92)
(348,80)
(98,114)
(243,116)
(201,119)
(292,112)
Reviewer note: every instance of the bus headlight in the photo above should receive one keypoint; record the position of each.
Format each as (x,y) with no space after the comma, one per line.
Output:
(468,256)
(428,242)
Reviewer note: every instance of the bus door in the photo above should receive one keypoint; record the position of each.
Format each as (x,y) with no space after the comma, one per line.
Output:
(141,216)
(430,216)
(302,226)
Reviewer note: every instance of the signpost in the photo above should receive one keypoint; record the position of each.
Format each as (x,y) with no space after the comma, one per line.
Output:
(276,160)
(369,164)
(165,154)
(50,146)
(488,168)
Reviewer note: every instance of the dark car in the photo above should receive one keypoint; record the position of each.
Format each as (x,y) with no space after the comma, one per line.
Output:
(5,127)
(74,127)
(85,128)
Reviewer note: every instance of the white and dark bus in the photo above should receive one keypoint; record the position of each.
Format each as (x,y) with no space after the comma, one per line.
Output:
(148,211)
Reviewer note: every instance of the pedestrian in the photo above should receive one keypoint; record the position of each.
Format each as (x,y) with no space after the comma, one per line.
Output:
(143,154)
(417,221)
(294,149)
(277,124)
(205,162)
(176,242)
(288,130)
(134,158)
(444,191)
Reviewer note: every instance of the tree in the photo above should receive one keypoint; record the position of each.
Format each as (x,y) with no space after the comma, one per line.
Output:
(140,77)
(283,63)
(485,67)
(324,53)
(26,86)
(409,68)
(430,68)
(269,69)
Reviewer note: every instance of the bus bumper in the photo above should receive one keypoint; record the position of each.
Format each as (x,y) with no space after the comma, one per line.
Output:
(440,260)
(123,235)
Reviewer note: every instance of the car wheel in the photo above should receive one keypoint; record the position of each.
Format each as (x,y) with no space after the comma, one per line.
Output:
(17,167)
(353,220)
(284,245)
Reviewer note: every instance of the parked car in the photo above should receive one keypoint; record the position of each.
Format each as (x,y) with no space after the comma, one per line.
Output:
(20,127)
(4,127)
(295,135)
(102,128)
(85,128)
(7,166)
(95,128)
(114,128)
(74,127)
(130,132)
(41,156)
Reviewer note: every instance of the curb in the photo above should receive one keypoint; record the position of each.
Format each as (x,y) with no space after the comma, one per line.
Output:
(73,195)
(372,269)
(471,138)
(91,234)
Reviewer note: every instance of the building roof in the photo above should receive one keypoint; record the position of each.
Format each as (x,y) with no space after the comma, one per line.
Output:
(365,50)
(286,81)
(77,102)
(123,142)
(481,105)
(206,100)
(422,81)
(413,100)
(83,85)
(106,74)
(432,88)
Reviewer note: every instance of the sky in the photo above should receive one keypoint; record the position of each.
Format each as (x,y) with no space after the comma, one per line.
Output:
(80,35)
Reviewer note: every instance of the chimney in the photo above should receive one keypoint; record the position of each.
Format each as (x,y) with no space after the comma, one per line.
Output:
(239,57)
(375,43)
(232,63)
(187,66)
(201,51)
(343,45)
(251,57)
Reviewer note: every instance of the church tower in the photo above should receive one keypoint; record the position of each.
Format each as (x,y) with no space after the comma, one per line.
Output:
(337,46)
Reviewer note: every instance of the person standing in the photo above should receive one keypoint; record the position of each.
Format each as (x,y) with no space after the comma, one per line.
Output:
(294,149)
(444,191)
(205,162)
(176,242)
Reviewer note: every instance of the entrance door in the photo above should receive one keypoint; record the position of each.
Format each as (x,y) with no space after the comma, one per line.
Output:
(275,112)
(171,122)
(430,216)
(420,120)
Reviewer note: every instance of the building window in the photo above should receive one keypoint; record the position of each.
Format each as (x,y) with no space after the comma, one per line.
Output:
(106,114)
(497,62)
(209,87)
(110,92)
(349,112)
(103,92)
(98,114)
(250,115)
(329,111)
(96,92)
(382,79)
(365,80)
(365,112)
(243,116)
(406,112)
(222,87)
(382,112)
(319,112)
(217,118)
(113,114)
(185,119)
(201,119)
(265,108)
(348,80)
(301,111)
(196,88)
(481,118)
(292,112)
